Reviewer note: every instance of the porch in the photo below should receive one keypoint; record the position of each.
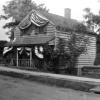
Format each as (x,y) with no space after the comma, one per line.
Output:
(25,64)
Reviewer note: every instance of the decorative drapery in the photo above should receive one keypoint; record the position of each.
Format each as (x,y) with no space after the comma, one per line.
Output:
(38,19)
(7,49)
(37,50)
(26,49)
(35,18)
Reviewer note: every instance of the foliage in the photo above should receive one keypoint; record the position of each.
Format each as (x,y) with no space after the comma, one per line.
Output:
(67,52)
(80,28)
(2,43)
(71,49)
(92,21)
(17,10)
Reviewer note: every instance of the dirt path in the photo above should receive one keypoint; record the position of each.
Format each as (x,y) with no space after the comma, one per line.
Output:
(18,89)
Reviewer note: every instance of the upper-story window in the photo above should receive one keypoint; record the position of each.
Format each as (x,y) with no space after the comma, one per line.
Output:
(43,30)
(40,30)
(34,30)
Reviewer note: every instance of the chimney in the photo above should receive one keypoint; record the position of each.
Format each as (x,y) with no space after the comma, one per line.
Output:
(67,13)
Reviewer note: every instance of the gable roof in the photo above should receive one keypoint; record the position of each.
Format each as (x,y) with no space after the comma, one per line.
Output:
(58,21)
(61,23)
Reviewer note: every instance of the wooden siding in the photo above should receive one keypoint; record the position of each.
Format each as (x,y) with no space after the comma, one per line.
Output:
(88,58)
(17,32)
(64,35)
(50,29)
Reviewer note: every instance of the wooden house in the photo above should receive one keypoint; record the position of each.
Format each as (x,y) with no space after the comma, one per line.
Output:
(39,28)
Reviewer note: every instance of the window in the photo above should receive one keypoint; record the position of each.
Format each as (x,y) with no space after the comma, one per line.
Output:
(42,30)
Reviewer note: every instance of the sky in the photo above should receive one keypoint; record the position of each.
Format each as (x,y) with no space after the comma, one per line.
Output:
(57,7)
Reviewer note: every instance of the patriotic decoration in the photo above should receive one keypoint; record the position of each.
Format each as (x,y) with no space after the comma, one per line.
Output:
(25,23)
(35,18)
(27,50)
(37,53)
(38,19)
(7,49)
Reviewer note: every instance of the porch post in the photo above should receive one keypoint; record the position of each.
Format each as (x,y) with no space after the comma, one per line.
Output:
(17,58)
(56,39)
(30,57)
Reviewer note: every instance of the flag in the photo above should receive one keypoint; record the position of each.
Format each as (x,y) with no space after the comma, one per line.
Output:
(38,19)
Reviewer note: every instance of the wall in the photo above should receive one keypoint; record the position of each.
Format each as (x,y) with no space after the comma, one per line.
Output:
(17,32)
(50,29)
(88,58)
(32,30)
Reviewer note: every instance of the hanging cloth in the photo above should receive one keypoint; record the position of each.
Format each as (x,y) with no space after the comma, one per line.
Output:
(7,49)
(38,19)
(35,18)
(37,53)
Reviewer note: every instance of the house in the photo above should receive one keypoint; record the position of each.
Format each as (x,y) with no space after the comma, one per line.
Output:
(39,28)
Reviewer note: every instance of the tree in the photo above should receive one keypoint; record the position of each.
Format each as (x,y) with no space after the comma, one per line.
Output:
(16,10)
(2,45)
(92,21)
(69,50)
(76,45)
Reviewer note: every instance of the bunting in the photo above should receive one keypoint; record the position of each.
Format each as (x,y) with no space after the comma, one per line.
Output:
(7,49)
(38,19)
(35,18)
(37,53)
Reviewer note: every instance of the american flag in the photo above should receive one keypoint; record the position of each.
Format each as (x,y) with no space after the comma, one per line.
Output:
(38,19)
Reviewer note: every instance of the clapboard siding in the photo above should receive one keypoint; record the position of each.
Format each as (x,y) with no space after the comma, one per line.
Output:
(59,34)
(88,58)
(50,29)
(17,32)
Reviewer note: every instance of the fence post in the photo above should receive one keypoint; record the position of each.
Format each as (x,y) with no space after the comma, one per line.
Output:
(30,57)
(79,71)
(17,58)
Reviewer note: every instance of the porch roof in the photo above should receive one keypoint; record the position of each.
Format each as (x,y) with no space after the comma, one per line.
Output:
(31,40)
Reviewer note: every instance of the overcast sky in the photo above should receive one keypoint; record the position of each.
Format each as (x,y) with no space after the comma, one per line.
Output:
(57,7)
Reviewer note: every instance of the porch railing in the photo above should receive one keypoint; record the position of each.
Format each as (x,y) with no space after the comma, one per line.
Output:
(26,63)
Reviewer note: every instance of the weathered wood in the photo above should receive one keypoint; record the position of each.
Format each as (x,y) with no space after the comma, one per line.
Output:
(17,32)
(88,58)
(17,59)
(30,58)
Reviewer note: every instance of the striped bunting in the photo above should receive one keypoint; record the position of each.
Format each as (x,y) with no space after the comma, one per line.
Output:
(38,19)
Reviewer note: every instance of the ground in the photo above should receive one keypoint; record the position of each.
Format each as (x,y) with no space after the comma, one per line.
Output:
(19,89)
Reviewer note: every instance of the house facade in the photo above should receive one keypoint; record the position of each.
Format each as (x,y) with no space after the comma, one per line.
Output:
(38,29)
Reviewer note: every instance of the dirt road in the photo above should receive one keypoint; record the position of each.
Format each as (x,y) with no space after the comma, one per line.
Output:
(18,89)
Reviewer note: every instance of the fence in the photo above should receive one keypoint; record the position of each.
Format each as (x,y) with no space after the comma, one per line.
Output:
(23,63)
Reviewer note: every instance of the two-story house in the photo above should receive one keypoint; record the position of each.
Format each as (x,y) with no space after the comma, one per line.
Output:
(39,28)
